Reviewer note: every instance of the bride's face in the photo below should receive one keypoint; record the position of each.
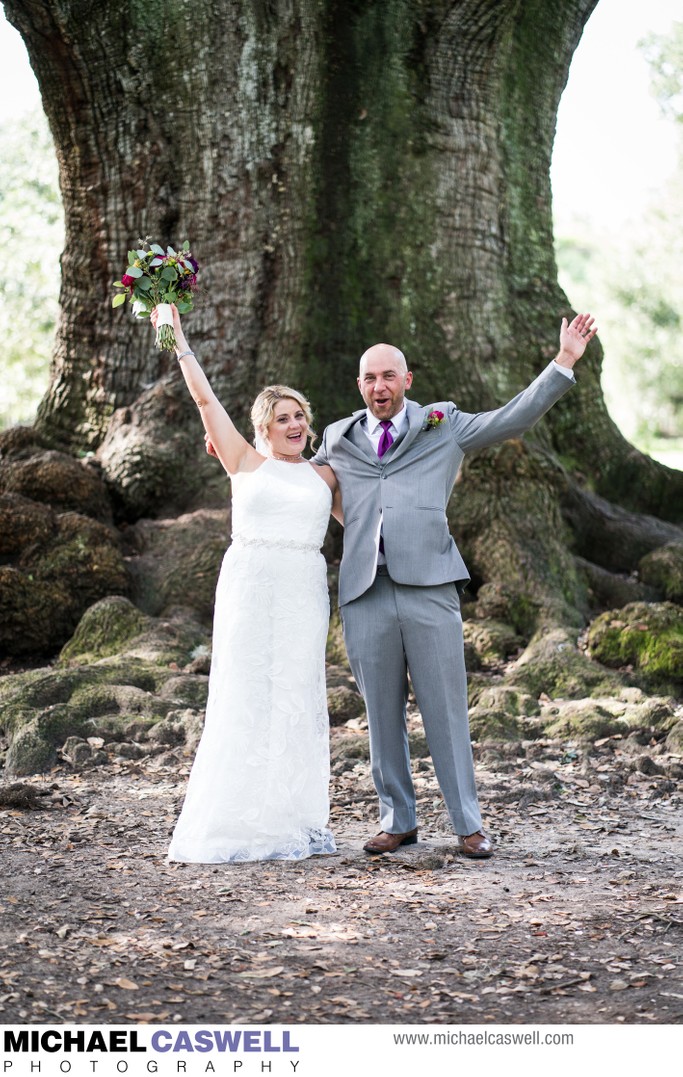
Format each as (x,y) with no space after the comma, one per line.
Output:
(288,430)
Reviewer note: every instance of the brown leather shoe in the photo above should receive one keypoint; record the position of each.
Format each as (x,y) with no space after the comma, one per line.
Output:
(389,843)
(477,846)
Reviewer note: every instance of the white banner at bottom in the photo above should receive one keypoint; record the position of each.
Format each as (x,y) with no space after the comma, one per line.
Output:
(331,1050)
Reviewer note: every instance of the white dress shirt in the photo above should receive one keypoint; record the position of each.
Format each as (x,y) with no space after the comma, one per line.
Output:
(566,370)
(373,431)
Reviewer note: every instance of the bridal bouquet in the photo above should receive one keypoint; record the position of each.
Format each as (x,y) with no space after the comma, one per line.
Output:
(156,278)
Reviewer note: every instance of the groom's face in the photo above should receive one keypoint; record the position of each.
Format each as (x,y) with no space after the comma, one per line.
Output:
(383,379)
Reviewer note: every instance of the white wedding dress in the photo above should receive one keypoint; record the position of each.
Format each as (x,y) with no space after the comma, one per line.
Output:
(258,789)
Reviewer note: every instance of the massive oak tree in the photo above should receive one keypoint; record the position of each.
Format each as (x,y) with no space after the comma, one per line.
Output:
(347,171)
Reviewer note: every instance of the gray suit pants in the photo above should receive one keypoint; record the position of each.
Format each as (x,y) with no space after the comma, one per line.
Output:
(389,631)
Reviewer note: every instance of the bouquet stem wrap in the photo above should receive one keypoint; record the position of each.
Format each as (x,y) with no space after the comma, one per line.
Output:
(165,335)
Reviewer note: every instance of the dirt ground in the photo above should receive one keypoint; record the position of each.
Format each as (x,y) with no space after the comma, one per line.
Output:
(577,918)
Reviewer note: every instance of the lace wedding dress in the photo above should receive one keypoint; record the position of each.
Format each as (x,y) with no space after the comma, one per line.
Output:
(258,789)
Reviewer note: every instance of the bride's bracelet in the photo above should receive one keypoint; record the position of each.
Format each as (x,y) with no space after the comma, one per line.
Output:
(183,354)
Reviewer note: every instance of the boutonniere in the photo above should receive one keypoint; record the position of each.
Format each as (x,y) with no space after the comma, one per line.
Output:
(434,419)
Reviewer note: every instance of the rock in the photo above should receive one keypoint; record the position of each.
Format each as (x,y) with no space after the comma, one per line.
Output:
(344,703)
(472,659)
(553,665)
(153,455)
(167,732)
(499,602)
(175,563)
(336,675)
(30,752)
(662,569)
(593,718)
(59,565)
(76,750)
(104,630)
(192,691)
(114,697)
(108,706)
(417,743)
(646,636)
(59,552)
(493,641)
(115,626)
(23,524)
(192,723)
(125,750)
(610,589)
(504,698)
(492,725)
(348,748)
(22,795)
(674,741)
(645,765)
(200,661)
(636,741)
(62,481)
(19,442)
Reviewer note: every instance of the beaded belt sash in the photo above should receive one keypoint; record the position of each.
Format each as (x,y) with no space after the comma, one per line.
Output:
(276,544)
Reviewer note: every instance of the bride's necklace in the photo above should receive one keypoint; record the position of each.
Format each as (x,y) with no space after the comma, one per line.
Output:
(298,459)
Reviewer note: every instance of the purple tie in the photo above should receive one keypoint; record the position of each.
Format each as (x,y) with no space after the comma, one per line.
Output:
(386,439)
(385,442)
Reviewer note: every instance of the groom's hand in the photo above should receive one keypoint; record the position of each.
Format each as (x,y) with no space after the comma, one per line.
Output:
(209,447)
(573,339)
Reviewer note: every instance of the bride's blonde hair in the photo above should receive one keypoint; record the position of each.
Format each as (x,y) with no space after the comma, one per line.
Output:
(263,408)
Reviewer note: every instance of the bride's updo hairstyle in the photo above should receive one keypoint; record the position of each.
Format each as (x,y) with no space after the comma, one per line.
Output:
(263,409)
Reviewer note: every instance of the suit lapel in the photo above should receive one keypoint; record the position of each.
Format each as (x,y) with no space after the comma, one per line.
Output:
(355,439)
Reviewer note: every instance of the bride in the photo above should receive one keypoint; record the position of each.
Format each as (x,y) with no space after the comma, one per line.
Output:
(258,789)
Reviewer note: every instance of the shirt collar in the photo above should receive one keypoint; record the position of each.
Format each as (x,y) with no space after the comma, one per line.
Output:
(397,422)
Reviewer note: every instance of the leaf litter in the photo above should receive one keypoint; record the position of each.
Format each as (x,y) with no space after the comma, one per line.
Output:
(576,919)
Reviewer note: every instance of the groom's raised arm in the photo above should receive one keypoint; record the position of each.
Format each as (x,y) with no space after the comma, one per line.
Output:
(478,430)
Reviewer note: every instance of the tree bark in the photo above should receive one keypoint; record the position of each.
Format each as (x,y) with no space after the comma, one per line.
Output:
(347,171)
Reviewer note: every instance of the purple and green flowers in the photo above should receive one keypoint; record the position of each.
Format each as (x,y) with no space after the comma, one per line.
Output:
(155,277)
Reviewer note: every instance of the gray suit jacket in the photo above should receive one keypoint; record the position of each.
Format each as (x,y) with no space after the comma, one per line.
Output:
(407,491)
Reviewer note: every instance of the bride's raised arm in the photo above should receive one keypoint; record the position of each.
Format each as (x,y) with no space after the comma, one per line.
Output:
(234,451)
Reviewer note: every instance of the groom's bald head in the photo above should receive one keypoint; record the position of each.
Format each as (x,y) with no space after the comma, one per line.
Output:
(380,352)
(383,378)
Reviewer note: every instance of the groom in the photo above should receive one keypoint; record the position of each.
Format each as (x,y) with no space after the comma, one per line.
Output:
(396,462)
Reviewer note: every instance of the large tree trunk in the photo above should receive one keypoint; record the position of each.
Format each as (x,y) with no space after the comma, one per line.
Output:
(347,172)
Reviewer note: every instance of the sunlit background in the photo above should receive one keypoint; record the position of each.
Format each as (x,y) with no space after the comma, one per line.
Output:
(617,179)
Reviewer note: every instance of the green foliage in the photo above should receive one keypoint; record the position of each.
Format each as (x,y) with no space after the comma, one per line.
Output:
(664,53)
(632,280)
(32,227)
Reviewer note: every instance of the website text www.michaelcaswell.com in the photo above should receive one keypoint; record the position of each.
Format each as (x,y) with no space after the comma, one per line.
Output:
(533,1038)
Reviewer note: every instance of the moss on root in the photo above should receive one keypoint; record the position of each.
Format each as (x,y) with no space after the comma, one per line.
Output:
(553,665)
(104,630)
(122,672)
(645,636)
